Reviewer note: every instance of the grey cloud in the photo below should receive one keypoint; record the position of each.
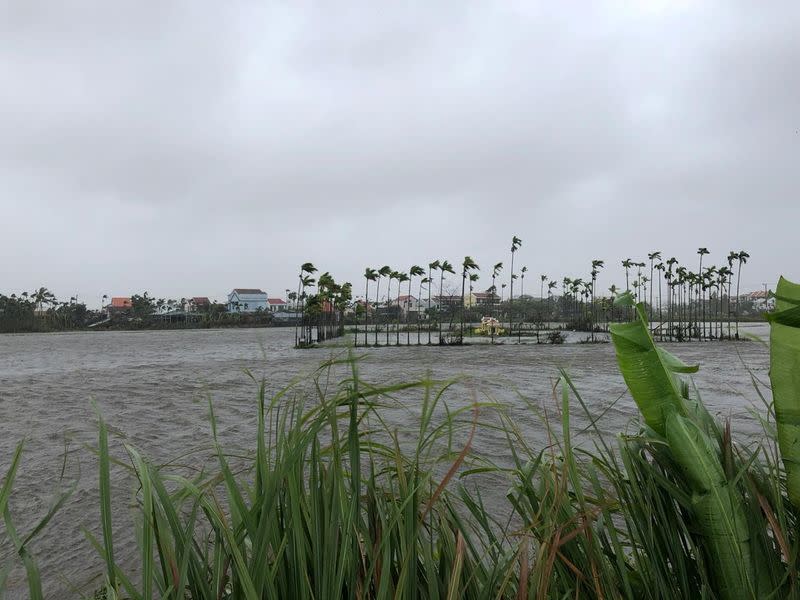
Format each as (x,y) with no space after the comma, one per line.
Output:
(245,138)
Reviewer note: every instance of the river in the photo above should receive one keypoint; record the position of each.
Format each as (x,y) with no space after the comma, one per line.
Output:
(152,388)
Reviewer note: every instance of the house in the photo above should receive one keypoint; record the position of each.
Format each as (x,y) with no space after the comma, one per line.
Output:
(409,304)
(119,304)
(199,304)
(247,300)
(481,299)
(450,301)
(760,300)
(276,304)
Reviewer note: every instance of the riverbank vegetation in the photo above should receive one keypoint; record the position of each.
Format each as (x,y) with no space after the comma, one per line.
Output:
(332,503)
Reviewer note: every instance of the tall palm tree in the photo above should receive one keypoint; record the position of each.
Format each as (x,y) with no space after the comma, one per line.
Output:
(495,273)
(724,274)
(702,252)
(742,257)
(306,269)
(653,256)
(305,282)
(401,279)
(384,271)
(627,263)
(369,275)
(613,291)
(639,266)
(731,258)
(468,266)
(414,271)
(433,266)
(522,311)
(515,245)
(660,268)
(596,266)
(444,267)
(392,275)
(669,276)
(424,281)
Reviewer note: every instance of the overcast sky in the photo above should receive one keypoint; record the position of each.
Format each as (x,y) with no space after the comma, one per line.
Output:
(190,147)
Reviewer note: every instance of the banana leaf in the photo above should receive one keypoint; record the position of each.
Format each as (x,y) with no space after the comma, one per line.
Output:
(717,509)
(784,374)
(652,375)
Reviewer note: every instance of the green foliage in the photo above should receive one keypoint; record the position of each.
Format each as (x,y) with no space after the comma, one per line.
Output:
(785,378)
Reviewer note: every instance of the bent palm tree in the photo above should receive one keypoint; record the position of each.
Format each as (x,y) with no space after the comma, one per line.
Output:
(369,275)
(414,271)
(742,257)
(423,281)
(468,265)
(433,266)
(515,245)
(444,267)
(401,279)
(384,271)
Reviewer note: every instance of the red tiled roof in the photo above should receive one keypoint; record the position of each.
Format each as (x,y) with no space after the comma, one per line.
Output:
(201,300)
(121,302)
(249,291)
(275,301)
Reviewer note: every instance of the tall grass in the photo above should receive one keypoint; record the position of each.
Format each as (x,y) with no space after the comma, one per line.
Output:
(334,503)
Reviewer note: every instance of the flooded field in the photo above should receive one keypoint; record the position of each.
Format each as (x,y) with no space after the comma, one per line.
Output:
(152,388)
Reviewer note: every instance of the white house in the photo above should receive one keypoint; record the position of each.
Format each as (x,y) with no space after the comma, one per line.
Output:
(276,304)
(247,300)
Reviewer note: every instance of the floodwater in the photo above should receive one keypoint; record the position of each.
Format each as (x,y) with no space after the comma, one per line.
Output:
(152,388)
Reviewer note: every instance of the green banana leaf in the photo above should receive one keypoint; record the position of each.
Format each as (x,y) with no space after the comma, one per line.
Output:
(717,508)
(651,374)
(784,374)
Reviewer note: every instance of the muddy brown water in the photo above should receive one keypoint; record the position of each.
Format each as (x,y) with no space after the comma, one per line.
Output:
(152,389)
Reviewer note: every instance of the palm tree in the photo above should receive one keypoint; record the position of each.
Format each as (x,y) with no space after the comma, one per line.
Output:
(742,257)
(596,266)
(669,275)
(468,266)
(495,273)
(639,266)
(731,258)
(724,275)
(627,263)
(41,297)
(613,291)
(515,245)
(660,268)
(425,281)
(653,256)
(392,275)
(306,281)
(306,269)
(401,279)
(444,267)
(369,275)
(434,266)
(384,271)
(473,277)
(702,252)
(414,271)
